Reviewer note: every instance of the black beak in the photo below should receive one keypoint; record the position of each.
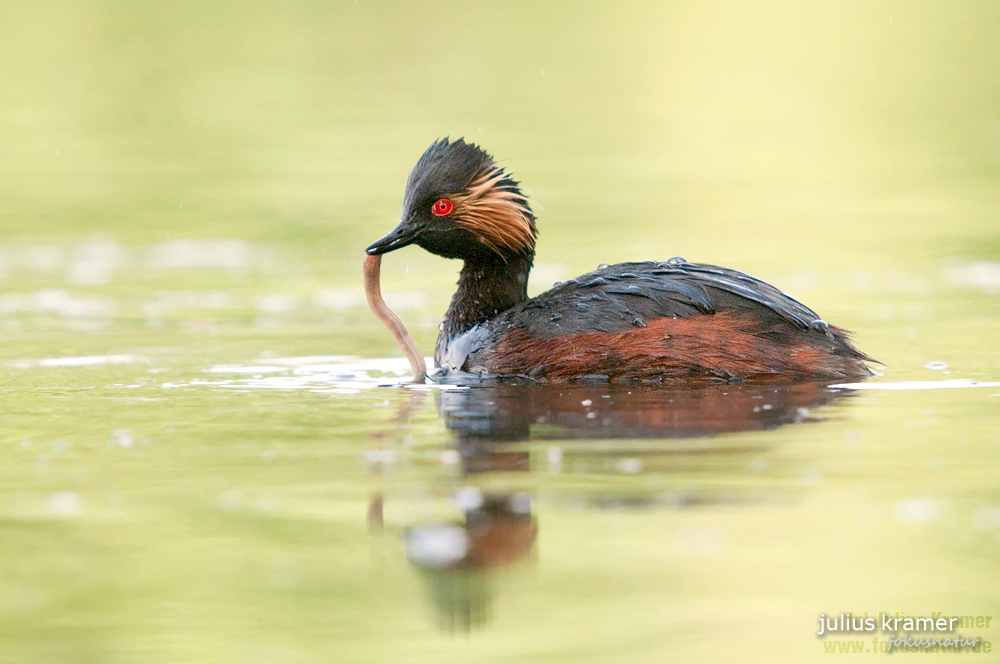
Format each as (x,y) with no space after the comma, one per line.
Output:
(401,236)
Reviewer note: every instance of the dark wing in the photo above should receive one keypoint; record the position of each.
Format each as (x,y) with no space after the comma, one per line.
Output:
(627,295)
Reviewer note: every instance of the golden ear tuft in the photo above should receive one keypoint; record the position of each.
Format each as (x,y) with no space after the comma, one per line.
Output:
(493,207)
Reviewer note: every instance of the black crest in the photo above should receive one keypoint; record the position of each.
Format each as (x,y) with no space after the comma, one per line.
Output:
(446,167)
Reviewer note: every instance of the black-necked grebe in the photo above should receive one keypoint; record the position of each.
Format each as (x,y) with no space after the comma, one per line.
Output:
(667,322)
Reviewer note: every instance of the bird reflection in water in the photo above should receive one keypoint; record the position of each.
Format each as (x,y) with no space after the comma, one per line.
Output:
(508,412)
(490,423)
(457,559)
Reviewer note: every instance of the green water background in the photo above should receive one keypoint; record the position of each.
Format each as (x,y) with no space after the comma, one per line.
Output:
(188,185)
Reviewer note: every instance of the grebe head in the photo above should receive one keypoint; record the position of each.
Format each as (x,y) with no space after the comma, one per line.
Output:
(459,204)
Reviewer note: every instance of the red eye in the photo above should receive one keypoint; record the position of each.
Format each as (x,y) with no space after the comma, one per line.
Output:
(442,207)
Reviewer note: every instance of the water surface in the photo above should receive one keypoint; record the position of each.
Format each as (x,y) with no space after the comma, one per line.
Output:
(210,452)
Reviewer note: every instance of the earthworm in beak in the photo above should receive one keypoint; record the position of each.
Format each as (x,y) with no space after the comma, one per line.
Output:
(373,290)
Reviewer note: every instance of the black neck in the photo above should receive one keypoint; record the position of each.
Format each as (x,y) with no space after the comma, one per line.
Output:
(486,287)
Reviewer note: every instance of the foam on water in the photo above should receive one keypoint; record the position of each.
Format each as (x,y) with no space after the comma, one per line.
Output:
(338,374)
(82,361)
(918,385)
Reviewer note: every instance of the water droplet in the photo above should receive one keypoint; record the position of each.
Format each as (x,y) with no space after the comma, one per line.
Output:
(676,260)
(603,266)
(380,456)
(436,546)
(811,476)
(66,503)
(554,456)
(468,498)
(520,503)
(917,510)
(819,326)
(558,283)
(629,465)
